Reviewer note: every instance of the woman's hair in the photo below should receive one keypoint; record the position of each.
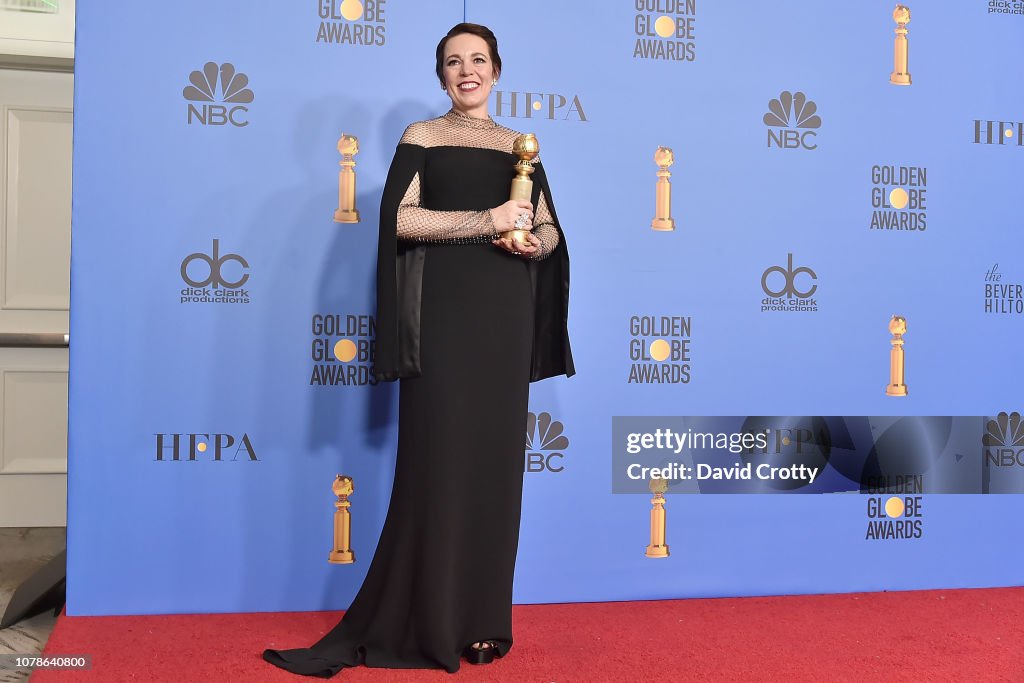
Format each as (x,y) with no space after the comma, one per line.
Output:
(473,29)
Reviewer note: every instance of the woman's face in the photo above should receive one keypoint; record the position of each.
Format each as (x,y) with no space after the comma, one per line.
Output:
(468,73)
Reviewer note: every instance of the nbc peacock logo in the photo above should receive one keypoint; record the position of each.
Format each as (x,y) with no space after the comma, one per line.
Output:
(545,444)
(351,22)
(1004,440)
(216,96)
(792,121)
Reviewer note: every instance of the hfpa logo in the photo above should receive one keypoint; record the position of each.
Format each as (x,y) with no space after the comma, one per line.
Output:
(232,91)
(171,447)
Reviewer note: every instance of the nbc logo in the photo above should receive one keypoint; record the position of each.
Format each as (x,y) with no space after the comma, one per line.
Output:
(545,439)
(203,97)
(1004,440)
(792,121)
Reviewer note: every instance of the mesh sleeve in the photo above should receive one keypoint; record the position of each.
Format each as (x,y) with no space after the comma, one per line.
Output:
(544,229)
(419,224)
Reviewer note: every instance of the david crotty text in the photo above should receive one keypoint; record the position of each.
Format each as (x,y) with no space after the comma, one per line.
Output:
(763,471)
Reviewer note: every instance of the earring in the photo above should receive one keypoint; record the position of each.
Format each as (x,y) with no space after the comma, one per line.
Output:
(494,82)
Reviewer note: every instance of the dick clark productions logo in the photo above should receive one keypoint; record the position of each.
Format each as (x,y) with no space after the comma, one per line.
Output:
(217,96)
(789,288)
(214,278)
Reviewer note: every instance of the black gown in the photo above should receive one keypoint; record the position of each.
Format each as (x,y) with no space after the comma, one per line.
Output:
(463,340)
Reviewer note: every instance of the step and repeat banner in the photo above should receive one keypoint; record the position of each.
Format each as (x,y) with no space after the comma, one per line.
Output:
(797,295)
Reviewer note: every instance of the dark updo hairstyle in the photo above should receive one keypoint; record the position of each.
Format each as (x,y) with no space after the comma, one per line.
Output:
(473,29)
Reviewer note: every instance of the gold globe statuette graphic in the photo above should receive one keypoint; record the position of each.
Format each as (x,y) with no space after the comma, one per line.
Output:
(526,148)
(898,328)
(664,158)
(348,145)
(901,50)
(342,552)
(657,547)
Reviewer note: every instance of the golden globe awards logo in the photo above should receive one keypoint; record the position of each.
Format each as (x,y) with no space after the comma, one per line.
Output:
(530,105)
(898,198)
(789,288)
(894,518)
(665,29)
(792,122)
(545,444)
(1005,133)
(342,350)
(1004,441)
(659,348)
(214,278)
(209,447)
(351,22)
(1002,297)
(217,96)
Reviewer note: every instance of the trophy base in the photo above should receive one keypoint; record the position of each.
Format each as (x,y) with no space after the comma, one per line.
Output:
(657,551)
(345,216)
(899,79)
(341,557)
(663,224)
(517,236)
(896,390)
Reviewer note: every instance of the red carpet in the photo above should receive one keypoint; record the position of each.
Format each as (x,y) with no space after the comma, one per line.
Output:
(954,635)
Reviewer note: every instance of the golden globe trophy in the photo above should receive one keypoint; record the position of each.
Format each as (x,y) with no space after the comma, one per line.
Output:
(901,56)
(346,212)
(657,548)
(664,158)
(526,148)
(898,328)
(342,552)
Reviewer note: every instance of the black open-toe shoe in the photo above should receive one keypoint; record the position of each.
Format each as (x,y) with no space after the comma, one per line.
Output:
(481,655)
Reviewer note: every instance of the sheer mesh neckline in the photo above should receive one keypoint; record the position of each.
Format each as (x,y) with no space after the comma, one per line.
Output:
(467,121)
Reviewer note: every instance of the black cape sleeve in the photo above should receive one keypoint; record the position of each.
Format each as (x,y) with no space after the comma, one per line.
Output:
(552,354)
(396,351)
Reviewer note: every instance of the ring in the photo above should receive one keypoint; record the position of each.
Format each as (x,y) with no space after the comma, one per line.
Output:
(522,220)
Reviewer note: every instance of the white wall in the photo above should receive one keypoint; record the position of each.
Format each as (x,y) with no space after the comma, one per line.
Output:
(37,37)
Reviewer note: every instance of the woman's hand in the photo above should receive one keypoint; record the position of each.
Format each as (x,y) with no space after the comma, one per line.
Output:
(517,248)
(504,217)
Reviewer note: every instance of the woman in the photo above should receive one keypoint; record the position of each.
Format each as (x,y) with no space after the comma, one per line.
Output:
(466,319)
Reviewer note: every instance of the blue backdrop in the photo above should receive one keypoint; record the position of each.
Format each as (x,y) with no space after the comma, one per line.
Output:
(206,427)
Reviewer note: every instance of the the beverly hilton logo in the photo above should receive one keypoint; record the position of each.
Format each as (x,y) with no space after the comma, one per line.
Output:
(217,95)
(1002,297)
(342,350)
(351,22)
(789,288)
(659,348)
(545,444)
(1004,441)
(898,198)
(665,29)
(792,121)
(537,105)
